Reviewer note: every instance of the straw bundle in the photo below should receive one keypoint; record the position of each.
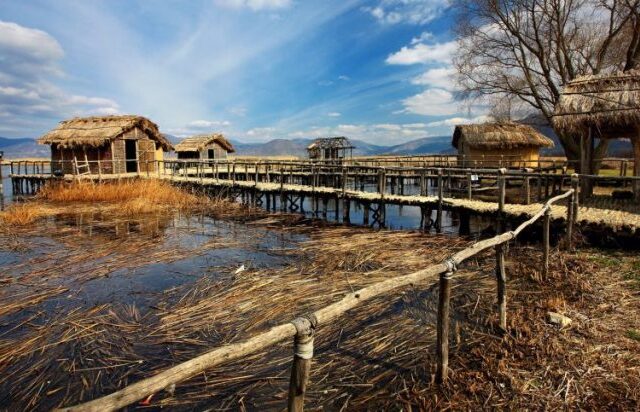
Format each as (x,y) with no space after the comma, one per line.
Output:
(98,130)
(604,102)
(491,136)
(199,142)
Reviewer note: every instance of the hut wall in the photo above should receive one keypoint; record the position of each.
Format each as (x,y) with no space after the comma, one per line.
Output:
(145,151)
(516,157)
(218,152)
(62,158)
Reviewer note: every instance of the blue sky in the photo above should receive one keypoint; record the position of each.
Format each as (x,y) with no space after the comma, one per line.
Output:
(255,70)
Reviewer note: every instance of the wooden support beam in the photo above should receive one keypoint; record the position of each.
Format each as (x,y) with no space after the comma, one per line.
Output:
(501,278)
(442,339)
(301,366)
(546,223)
(636,167)
(365,213)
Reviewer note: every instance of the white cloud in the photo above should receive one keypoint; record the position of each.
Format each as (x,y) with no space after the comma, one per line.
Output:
(334,114)
(383,133)
(424,53)
(206,124)
(441,77)
(422,38)
(407,11)
(431,102)
(344,78)
(199,127)
(239,111)
(262,132)
(454,121)
(27,52)
(29,61)
(255,5)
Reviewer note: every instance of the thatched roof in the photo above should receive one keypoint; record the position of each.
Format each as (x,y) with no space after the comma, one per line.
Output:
(493,136)
(608,103)
(199,142)
(339,142)
(98,130)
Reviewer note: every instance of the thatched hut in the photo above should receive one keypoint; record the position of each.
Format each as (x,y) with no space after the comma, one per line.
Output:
(121,144)
(204,147)
(601,107)
(498,144)
(330,148)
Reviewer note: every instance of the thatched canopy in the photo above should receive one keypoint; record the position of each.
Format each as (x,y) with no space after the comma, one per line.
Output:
(98,130)
(199,142)
(493,136)
(339,142)
(610,104)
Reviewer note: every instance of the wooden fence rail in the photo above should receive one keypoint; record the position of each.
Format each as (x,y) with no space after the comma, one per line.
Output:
(302,329)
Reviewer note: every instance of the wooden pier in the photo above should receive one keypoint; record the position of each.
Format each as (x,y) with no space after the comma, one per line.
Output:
(297,186)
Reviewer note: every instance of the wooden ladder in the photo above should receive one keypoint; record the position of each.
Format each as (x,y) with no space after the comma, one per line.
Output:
(81,168)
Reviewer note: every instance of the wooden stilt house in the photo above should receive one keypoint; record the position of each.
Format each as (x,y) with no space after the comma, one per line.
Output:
(212,146)
(498,145)
(106,145)
(601,107)
(331,149)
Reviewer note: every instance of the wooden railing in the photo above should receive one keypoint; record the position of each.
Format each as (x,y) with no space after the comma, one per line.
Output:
(302,329)
(457,181)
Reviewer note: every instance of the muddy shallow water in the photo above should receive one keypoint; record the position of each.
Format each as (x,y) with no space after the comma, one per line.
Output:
(101,260)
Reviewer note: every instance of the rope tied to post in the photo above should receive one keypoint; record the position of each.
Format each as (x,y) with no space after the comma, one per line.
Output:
(452,267)
(305,329)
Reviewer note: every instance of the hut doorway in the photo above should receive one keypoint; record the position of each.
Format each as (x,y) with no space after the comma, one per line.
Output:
(211,154)
(131,155)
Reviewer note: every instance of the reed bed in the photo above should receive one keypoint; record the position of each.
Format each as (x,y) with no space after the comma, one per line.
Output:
(127,198)
(378,357)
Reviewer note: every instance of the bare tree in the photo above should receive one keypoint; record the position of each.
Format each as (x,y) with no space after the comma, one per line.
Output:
(528,49)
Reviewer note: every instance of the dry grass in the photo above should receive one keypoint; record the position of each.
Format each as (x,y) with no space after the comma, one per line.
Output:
(378,357)
(22,214)
(151,191)
(120,199)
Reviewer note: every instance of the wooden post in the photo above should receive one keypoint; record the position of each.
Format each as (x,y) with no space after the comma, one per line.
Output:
(325,202)
(301,367)
(233,181)
(501,275)
(442,340)
(423,184)
(346,209)
(365,214)
(636,167)
(501,278)
(469,186)
(382,182)
(257,172)
(572,210)
(501,199)
(439,212)
(545,242)
(527,187)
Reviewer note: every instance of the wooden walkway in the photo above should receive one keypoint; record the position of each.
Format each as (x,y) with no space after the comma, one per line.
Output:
(288,184)
(616,220)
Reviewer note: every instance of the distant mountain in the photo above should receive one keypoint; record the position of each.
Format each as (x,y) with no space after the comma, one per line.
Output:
(298,147)
(426,145)
(22,148)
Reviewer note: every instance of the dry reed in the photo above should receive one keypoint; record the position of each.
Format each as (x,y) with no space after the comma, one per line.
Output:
(379,356)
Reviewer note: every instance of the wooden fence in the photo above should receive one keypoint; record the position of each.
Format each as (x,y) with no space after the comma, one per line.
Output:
(302,329)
